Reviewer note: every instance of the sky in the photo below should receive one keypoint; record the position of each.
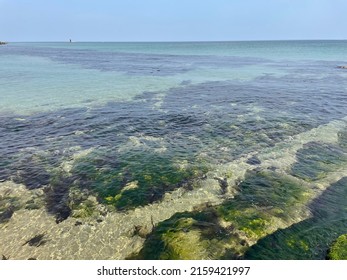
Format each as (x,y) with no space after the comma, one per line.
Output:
(172,20)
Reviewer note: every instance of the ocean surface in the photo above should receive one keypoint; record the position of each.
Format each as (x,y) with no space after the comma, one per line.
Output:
(192,150)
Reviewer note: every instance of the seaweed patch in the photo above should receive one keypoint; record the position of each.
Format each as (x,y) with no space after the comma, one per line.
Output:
(315,160)
(313,237)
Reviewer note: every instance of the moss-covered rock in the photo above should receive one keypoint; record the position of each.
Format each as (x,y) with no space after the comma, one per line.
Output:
(111,176)
(338,250)
(265,201)
(85,205)
(187,236)
(263,194)
(310,238)
(315,160)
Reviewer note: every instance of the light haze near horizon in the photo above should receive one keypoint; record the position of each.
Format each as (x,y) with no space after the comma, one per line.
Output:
(171,20)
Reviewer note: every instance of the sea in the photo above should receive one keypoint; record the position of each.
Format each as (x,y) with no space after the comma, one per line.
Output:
(173,150)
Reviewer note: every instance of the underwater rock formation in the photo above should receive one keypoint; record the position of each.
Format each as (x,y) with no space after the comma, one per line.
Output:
(310,238)
(338,250)
(226,231)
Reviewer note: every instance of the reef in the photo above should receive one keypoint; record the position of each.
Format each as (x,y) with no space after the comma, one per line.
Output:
(338,251)
(186,236)
(130,180)
(310,238)
(315,160)
(265,201)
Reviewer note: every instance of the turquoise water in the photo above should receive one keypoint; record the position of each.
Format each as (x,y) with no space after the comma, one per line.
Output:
(59,75)
(284,50)
(180,141)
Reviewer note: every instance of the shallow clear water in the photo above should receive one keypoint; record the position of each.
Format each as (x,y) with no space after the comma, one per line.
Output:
(106,129)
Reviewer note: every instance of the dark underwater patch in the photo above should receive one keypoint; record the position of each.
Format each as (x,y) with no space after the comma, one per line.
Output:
(212,122)
(254,160)
(135,64)
(262,195)
(57,198)
(31,172)
(8,205)
(6,214)
(170,239)
(151,176)
(267,189)
(315,160)
(309,239)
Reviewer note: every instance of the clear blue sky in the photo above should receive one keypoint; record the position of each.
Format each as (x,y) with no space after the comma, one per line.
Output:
(171,20)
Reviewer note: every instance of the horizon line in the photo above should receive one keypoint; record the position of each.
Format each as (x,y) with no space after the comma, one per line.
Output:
(178,41)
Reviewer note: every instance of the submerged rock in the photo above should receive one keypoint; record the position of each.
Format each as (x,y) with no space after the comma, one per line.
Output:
(187,236)
(223,183)
(310,238)
(315,160)
(254,160)
(84,205)
(128,180)
(265,202)
(57,198)
(338,250)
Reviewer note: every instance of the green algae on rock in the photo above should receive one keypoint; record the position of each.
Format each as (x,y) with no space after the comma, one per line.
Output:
(310,238)
(338,250)
(84,205)
(113,178)
(316,160)
(188,236)
(265,202)
(265,192)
